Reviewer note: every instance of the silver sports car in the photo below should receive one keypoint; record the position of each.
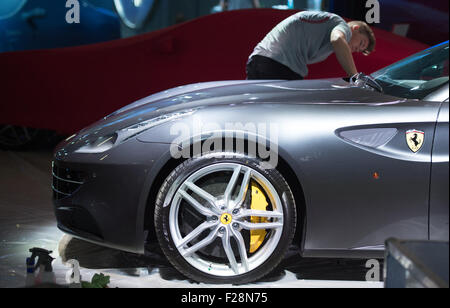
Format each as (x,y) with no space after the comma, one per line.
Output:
(225,176)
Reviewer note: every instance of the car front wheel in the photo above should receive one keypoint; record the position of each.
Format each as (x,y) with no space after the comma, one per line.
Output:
(224,220)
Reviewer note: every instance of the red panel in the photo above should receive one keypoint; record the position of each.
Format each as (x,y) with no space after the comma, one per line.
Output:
(67,89)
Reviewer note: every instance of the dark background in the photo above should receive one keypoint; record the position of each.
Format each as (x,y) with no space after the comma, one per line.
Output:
(41,24)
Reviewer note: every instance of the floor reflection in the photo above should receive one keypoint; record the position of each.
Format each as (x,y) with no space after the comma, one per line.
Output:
(92,256)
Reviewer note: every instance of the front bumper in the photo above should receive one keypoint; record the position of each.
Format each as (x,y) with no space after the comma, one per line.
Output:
(102,198)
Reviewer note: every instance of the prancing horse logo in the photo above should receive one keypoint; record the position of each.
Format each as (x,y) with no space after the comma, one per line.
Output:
(226,219)
(415,139)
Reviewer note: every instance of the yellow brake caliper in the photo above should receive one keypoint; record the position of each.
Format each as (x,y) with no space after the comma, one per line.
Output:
(259,203)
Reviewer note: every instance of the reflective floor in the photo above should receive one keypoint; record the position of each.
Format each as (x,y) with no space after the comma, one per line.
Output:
(27,221)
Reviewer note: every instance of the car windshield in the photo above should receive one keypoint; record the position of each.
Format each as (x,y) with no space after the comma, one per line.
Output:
(417,76)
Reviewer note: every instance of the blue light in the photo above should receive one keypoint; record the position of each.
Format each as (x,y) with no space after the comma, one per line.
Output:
(438,45)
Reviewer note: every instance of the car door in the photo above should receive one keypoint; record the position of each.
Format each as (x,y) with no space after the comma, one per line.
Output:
(407,196)
(363,182)
(439,200)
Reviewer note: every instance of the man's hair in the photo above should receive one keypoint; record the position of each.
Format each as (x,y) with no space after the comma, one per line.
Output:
(368,32)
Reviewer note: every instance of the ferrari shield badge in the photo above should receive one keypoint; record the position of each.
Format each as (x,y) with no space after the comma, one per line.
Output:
(415,139)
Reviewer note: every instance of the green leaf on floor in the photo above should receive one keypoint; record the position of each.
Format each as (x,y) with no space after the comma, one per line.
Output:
(99,281)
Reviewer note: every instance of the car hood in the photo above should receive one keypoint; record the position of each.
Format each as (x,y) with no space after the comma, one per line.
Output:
(231,93)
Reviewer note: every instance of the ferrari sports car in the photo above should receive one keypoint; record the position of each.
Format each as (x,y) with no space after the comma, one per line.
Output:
(225,176)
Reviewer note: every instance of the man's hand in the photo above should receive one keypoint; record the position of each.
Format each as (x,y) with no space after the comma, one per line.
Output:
(343,52)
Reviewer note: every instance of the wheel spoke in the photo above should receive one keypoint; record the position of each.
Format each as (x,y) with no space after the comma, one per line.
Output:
(203,194)
(256,213)
(226,241)
(200,208)
(243,191)
(242,249)
(205,242)
(260,226)
(232,184)
(194,234)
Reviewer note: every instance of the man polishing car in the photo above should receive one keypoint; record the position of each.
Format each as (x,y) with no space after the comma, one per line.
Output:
(305,38)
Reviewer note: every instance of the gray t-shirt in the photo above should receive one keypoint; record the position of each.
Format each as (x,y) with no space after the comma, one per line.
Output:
(302,39)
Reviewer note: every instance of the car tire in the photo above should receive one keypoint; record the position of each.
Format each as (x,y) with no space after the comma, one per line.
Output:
(195,234)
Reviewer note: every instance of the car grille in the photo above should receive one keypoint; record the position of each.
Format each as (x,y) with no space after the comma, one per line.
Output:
(65,181)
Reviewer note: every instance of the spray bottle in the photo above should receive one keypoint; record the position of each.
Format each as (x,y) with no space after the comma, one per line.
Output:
(30,273)
(44,264)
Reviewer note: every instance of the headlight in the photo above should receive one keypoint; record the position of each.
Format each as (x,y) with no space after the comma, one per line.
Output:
(105,143)
(100,145)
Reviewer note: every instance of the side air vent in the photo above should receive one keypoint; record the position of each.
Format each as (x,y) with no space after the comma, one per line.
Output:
(372,137)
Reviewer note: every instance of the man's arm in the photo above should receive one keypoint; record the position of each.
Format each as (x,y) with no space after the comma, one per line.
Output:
(343,52)
(256,4)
